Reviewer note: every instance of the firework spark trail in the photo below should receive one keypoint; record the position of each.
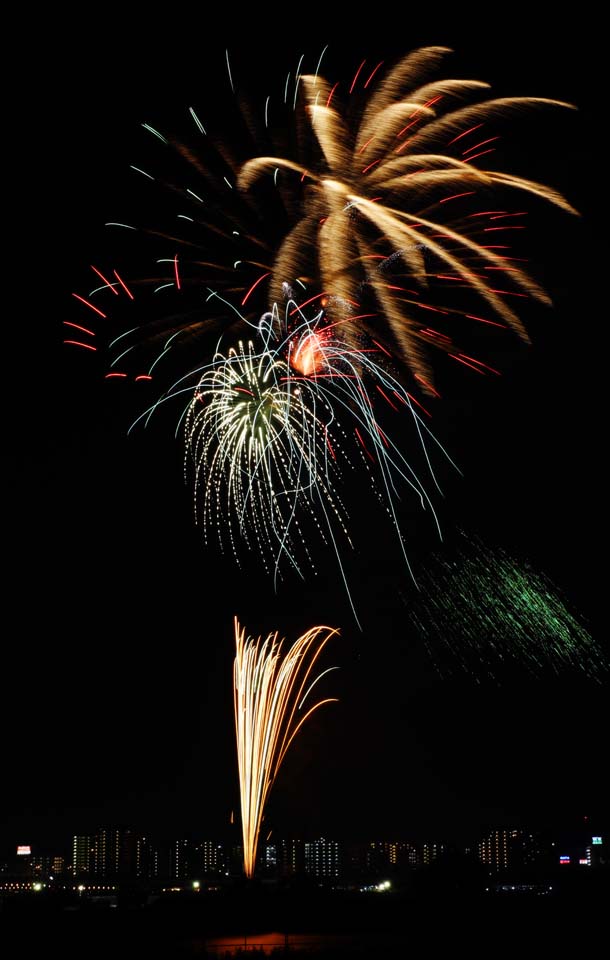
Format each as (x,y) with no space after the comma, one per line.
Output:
(343,375)
(480,611)
(389,191)
(260,445)
(270,690)
(342,209)
(273,428)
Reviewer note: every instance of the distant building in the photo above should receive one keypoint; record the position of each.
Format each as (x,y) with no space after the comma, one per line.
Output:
(111,853)
(83,850)
(290,857)
(107,852)
(41,868)
(431,852)
(115,853)
(212,858)
(500,850)
(146,859)
(390,856)
(322,858)
(180,859)
(235,861)
(595,854)
(269,858)
(531,850)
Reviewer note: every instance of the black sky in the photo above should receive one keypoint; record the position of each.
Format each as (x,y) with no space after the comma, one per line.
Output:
(118,648)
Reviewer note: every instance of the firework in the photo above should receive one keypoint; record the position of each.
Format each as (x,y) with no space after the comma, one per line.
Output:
(480,611)
(271,690)
(189,233)
(265,450)
(380,185)
(274,430)
(384,191)
(373,200)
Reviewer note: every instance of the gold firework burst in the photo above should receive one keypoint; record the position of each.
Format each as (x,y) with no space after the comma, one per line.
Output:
(379,194)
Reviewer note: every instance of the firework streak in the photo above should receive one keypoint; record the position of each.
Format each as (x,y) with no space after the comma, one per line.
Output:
(481,612)
(273,431)
(386,189)
(270,690)
(378,197)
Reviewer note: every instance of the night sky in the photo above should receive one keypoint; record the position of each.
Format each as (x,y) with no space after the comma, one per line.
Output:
(117,701)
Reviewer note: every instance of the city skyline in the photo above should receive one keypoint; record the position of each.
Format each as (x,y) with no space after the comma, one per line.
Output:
(103,845)
(118,854)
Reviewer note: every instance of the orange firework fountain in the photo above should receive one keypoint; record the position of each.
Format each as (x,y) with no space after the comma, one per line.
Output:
(270,691)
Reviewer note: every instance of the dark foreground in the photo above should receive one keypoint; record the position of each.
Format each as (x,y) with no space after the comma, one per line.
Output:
(326,924)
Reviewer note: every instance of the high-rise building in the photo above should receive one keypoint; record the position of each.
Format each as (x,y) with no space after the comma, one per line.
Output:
(83,854)
(431,852)
(180,859)
(322,858)
(107,852)
(498,851)
(211,857)
(235,859)
(110,853)
(593,854)
(383,856)
(269,858)
(146,859)
(290,857)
